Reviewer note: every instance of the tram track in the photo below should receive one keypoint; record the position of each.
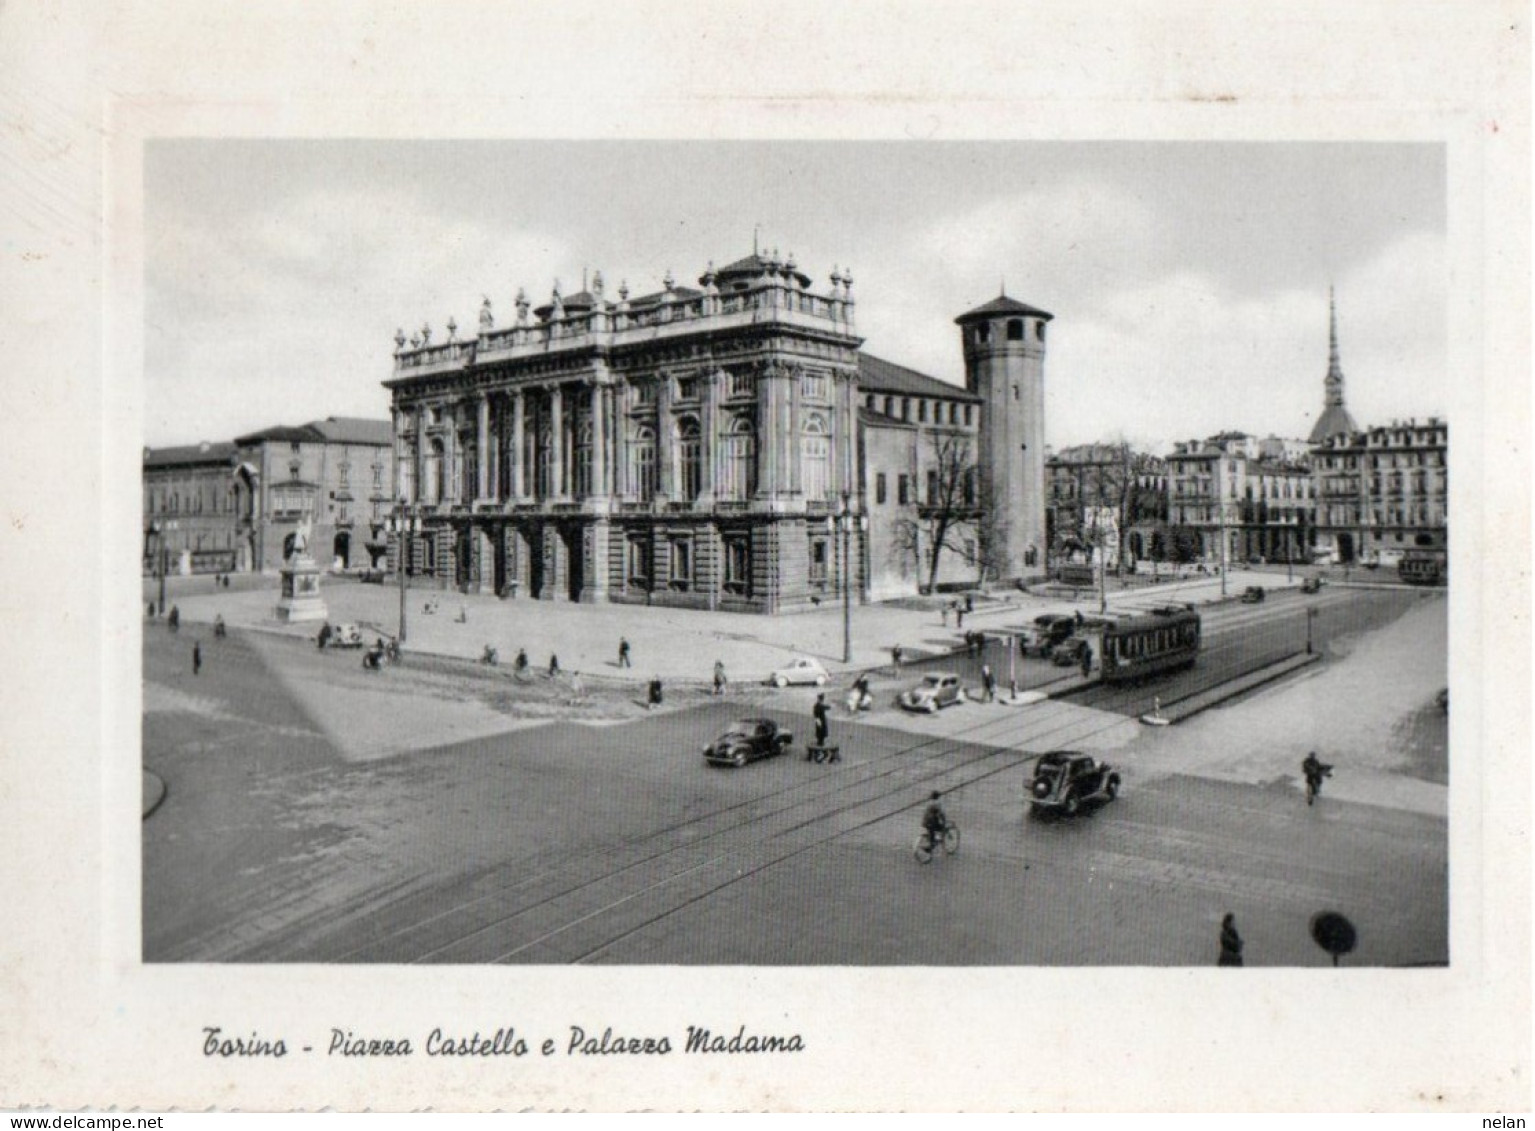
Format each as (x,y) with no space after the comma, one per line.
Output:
(577,910)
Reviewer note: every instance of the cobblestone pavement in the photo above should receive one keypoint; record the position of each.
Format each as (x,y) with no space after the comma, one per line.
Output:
(291,830)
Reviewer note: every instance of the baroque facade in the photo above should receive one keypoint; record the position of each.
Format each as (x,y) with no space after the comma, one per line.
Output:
(725,446)
(691,447)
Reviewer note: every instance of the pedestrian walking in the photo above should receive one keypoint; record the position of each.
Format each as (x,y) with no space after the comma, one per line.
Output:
(969,603)
(173,620)
(895,654)
(959,616)
(520,665)
(324,638)
(577,687)
(197,658)
(1087,660)
(623,652)
(1231,942)
(151,610)
(554,665)
(218,625)
(943,611)
(822,714)
(719,677)
(988,683)
(653,696)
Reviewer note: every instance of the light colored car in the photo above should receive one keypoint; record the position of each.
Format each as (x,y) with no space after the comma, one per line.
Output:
(935,691)
(803,670)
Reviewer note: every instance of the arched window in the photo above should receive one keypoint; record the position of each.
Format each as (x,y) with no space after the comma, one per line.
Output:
(815,459)
(690,457)
(740,460)
(642,463)
(434,472)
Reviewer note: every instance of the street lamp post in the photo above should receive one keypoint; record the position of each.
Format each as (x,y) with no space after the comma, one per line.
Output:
(404,526)
(845,520)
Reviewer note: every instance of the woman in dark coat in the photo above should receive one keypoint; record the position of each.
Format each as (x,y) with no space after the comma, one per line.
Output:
(1231,942)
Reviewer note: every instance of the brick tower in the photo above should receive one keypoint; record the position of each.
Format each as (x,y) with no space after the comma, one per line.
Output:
(1004,343)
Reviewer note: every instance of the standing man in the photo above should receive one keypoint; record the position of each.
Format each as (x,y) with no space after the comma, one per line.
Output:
(822,715)
(988,683)
(1087,660)
(719,677)
(197,657)
(623,652)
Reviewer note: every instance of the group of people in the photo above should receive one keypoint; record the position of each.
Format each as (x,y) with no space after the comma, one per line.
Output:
(959,609)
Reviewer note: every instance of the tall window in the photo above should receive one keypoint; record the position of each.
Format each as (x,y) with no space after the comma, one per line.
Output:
(434,471)
(903,489)
(690,453)
(682,563)
(637,562)
(815,459)
(819,558)
(642,462)
(879,487)
(932,487)
(740,460)
(738,565)
(584,458)
(468,471)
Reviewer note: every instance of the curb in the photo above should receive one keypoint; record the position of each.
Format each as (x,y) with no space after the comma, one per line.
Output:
(1204,700)
(154,793)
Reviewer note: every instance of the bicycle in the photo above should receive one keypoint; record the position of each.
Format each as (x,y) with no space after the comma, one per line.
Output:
(925,848)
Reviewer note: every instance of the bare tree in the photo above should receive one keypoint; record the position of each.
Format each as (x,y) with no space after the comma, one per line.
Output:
(956,513)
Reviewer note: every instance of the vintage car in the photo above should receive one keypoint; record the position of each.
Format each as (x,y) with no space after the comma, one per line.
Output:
(1068,651)
(803,670)
(935,691)
(1064,780)
(1311,585)
(1048,631)
(1253,595)
(745,741)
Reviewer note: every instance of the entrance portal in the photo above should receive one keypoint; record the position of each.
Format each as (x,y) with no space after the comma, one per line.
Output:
(341,549)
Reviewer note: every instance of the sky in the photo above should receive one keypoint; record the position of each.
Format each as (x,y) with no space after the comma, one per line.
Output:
(1188,281)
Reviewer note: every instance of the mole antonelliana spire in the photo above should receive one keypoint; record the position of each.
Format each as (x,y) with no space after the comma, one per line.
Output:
(1335,417)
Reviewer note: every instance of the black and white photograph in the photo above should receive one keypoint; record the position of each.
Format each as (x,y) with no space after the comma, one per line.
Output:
(876,559)
(858,554)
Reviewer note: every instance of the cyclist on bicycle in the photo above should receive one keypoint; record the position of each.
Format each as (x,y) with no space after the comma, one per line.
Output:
(935,821)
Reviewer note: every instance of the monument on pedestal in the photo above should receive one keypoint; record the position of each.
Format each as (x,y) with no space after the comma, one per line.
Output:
(300,599)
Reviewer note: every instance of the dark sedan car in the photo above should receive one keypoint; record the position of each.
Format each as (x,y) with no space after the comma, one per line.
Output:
(1064,779)
(1048,631)
(746,741)
(1253,595)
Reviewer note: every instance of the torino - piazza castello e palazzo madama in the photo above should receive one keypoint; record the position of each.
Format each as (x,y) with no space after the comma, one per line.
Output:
(691,447)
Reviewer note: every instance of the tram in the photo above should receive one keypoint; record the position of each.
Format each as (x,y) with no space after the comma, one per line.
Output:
(1423,569)
(1133,646)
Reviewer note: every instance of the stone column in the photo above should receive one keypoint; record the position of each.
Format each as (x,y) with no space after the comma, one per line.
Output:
(556,443)
(796,428)
(482,449)
(519,460)
(420,456)
(666,440)
(599,441)
(709,429)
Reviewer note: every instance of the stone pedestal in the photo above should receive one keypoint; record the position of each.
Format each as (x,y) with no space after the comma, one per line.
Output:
(300,599)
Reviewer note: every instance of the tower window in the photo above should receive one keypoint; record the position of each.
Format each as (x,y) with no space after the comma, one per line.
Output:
(1015,329)
(969,414)
(1039,330)
(983,332)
